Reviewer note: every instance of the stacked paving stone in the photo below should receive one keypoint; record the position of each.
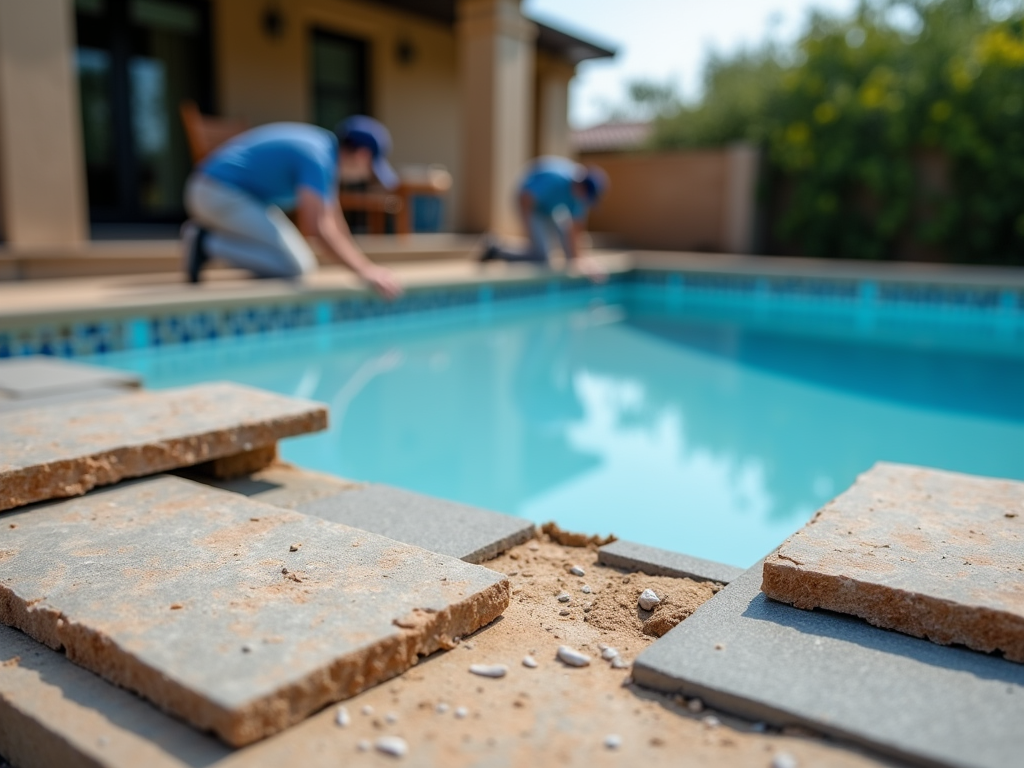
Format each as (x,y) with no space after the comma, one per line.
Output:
(936,556)
(237,616)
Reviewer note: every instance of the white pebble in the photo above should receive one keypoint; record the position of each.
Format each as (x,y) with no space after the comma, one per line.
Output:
(577,571)
(586,590)
(711,721)
(565,597)
(461,712)
(488,670)
(342,717)
(608,653)
(363,745)
(602,646)
(572,657)
(784,760)
(695,705)
(529,661)
(619,663)
(391,718)
(392,745)
(648,599)
(367,709)
(613,741)
(441,708)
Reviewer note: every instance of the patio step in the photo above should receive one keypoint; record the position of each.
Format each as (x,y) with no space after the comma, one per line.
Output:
(67,449)
(240,618)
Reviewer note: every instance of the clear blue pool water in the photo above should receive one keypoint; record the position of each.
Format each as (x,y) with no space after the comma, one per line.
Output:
(713,430)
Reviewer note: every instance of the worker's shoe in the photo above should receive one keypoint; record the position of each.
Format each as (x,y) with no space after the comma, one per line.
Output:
(489,250)
(193,239)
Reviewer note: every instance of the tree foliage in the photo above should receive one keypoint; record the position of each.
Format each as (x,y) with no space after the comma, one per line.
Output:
(854,115)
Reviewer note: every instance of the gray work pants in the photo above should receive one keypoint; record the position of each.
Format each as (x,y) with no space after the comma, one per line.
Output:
(541,228)
(246,232)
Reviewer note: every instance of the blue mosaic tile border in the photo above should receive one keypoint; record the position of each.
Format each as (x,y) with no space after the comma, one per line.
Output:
(75,339)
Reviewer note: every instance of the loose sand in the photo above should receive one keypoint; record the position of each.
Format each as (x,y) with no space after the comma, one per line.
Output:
(553,715)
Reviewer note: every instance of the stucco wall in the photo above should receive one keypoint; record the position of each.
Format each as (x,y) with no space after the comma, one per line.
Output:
(263,79)
(697,200)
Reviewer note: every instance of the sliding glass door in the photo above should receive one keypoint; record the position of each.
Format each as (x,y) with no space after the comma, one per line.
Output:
(137,60)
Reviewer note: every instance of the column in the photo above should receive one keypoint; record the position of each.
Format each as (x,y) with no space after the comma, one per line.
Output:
(496,61)
(552,121)
(42,171)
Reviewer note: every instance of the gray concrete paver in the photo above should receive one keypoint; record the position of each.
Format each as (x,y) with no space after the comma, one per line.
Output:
(898,695)
(239,617)
(631,556)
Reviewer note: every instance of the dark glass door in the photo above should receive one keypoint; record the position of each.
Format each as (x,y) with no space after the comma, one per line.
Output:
(339,78)
(137,60)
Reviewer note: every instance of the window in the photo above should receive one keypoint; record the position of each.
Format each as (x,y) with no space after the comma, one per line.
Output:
(339,78)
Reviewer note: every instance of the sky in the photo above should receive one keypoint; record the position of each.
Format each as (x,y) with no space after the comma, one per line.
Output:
(664,40)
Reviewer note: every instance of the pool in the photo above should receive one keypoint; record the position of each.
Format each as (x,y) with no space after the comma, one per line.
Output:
(714,426)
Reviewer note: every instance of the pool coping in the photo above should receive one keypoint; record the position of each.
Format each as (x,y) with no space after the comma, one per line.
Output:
(99,315)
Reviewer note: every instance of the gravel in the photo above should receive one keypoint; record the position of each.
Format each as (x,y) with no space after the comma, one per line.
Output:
(649,600)
(572,657)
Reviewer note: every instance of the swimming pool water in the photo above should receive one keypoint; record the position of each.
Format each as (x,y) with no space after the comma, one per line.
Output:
(713,430)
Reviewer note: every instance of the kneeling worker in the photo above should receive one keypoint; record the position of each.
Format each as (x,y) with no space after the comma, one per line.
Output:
(554,197)
(237,196)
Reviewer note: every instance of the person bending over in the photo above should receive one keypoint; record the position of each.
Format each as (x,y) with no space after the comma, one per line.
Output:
(554,197)
(236,199)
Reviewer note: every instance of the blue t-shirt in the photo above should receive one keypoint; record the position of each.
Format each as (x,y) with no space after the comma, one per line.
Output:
(271,162)
(549,181)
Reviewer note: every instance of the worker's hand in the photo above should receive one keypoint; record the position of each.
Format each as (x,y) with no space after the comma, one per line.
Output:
(383,281)
(590,269)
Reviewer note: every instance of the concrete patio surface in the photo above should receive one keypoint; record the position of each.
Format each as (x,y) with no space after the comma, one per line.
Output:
(67,449)
(238,617)
(927,704)
(54,713)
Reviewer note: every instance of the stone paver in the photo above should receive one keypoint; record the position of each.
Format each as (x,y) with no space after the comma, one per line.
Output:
(458,530)
(61,398)
(631,556)
(280,484)
(238,617)
(65,450)
(41,376)
(933,554)
(929,704)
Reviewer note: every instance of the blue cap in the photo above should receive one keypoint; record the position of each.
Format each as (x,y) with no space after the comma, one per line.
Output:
(363,131)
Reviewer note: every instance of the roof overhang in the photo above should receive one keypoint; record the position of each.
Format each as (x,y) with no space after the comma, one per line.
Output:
(549,39)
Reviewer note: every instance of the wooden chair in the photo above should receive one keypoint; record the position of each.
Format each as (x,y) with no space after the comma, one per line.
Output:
(204,132)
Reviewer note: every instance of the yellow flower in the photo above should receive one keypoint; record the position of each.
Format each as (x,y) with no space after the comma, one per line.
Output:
(998,46)
(826,113)
(798,134)
(940,111)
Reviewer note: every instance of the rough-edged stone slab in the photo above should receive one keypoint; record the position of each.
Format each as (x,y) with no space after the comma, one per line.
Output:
(238,617)
(41,376)
(61,398)
(281,484)
(932,705)
(468,533)
(64,450)
(933,554)
(631,556)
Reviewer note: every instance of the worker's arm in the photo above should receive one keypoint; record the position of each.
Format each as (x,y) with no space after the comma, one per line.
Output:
(586,265)
(325,221)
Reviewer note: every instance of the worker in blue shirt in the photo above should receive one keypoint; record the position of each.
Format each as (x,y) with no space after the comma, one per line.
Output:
(554,197)
(237,197)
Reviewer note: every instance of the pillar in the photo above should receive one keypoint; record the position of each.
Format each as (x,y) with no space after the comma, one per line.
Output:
(42,170)
(552,111)
(496,61)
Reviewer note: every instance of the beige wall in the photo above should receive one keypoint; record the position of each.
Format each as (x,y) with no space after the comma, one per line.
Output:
(42,184)
(263,79)
(551,131)
(697,200)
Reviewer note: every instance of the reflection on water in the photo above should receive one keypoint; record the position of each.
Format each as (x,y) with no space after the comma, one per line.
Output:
(641,424)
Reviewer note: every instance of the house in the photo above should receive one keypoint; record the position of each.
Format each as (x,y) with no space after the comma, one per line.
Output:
(91,142)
